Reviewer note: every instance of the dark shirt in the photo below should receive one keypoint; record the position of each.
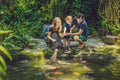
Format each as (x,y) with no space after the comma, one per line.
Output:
(54,34)
(46,29)
(67,26)
(52,31)
(82,26)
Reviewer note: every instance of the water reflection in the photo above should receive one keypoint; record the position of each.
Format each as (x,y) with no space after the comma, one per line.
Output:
(64,70)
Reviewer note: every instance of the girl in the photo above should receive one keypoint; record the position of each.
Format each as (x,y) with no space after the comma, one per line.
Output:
(54,35)
(67,26)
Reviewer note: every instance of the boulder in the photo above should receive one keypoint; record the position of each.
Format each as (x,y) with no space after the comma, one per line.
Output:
(109,39)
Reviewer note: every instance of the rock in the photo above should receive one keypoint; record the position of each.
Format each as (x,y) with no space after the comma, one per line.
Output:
(26,51)
(94,42)
(31,45)
(52,68)
(110,39)
(76,73)
(118,40)
(57,73)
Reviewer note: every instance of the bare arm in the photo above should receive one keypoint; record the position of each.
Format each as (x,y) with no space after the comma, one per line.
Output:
(64,30)
(78,33)
(60,29)
(49,37)
(72,28)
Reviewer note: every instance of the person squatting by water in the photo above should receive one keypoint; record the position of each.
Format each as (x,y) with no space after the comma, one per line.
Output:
(67,25)
(54,35)
(82,34)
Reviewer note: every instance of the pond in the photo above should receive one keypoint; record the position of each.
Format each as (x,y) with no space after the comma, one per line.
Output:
(63,70)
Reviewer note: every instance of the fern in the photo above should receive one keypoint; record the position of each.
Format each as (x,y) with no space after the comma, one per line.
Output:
(3,66)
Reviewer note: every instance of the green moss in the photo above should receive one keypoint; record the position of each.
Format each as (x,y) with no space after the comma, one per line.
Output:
(112,50)
(32,55)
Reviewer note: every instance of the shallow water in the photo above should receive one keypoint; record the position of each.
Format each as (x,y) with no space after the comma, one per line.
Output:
(35,69)
(64,70)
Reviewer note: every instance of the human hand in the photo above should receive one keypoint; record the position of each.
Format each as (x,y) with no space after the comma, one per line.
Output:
(69,33)
(53,40)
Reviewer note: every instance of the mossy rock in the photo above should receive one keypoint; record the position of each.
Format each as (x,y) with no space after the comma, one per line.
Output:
(110,39)
(112,50)
(32,54)
(118,42)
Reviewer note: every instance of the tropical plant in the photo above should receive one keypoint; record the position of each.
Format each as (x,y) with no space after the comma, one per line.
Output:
(16,41)
(3,66)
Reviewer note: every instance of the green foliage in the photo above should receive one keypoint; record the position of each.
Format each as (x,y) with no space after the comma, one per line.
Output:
(22,15)
(81,6)
(16,41)
(4,32)
(47,53)
(115,70)
(28,15)
(113,28)
(5,51)
(25,17)
(3,66)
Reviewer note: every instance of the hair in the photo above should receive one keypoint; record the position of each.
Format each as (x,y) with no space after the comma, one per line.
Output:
(79,15)
(54,23)
(68,17)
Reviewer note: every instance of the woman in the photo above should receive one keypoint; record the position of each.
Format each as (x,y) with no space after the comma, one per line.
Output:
(54,35)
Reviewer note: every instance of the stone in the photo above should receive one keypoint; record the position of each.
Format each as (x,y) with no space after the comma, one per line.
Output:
(118,40)
(58,73)
(31,45)
(109,39)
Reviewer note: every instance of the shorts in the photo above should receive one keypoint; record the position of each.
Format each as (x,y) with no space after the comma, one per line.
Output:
(66,37)
(83,38)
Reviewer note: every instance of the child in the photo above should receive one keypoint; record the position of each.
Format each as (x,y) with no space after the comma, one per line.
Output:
(67,26)
(54,35)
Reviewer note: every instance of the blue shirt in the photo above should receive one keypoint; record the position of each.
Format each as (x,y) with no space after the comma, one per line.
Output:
(82,26)
(67,26)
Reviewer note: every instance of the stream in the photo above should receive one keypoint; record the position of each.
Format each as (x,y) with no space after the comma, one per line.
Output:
(64,69)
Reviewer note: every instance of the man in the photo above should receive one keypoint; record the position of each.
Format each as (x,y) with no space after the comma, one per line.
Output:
(82,33)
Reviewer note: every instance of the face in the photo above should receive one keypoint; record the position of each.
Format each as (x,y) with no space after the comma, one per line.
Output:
(79,20)
(70,20)
(58,22)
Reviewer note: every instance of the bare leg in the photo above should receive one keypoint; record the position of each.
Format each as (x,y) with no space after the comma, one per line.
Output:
(81,43)
(68,42)
(64,45)
(54,56)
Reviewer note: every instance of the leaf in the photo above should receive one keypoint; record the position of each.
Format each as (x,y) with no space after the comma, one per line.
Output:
(2,71)
(4,32)
(1,78)
(3,63)
(5,51)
